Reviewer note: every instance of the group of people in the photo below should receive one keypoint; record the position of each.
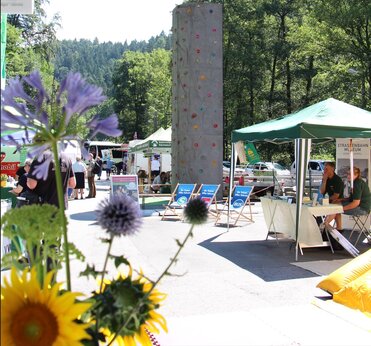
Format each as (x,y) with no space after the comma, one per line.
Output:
(73,177)
(357,203)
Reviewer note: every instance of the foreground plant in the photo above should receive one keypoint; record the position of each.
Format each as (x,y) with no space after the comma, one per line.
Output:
(124,309)
(26,105)
(37,315)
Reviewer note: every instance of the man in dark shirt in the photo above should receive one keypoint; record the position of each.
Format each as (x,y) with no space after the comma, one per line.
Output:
(332,183)
(22,181)
(20,171)
(47,189)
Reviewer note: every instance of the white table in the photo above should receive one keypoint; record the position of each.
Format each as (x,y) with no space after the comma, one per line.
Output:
(280,217)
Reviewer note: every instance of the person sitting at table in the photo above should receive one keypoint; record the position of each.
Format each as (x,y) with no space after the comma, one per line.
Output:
(331,183)
(358,203)
(22,181)
(158,181)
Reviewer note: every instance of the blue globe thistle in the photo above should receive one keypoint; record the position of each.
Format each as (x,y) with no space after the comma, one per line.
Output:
(119,215)
(196,211)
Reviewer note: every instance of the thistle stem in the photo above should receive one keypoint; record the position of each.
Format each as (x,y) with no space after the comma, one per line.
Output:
(106,261)
(136,309)
(58,177)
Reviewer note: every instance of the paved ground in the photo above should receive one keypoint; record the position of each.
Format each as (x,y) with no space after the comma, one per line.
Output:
(230,288)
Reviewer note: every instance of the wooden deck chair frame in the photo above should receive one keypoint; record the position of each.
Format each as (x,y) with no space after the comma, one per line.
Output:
(178,200)
(207,192)
(241,198)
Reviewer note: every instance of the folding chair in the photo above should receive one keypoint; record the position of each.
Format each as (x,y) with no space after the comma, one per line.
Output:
(240,199)
(207,193)
(178,200)
(360,225)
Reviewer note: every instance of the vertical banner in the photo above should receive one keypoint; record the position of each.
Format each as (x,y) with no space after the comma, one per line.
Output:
(350,153)
(252,155)
(3,49)
(127,184)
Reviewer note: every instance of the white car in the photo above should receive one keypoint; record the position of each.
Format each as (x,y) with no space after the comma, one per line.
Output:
(238,171)
(316,168)
(278,169)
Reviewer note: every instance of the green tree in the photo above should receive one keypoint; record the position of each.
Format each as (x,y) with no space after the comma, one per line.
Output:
(142,92)
(37,32)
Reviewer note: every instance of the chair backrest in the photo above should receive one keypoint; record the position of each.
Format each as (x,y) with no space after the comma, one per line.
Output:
(240,196)
(184,193)
(208,192)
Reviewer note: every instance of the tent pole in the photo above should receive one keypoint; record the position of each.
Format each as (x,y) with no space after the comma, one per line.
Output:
(231,181)
(351,157)
(301,159)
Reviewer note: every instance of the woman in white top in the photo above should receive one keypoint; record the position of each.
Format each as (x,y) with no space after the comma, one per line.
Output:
(79,169)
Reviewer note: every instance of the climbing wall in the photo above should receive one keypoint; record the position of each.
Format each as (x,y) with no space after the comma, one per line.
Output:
(197,117)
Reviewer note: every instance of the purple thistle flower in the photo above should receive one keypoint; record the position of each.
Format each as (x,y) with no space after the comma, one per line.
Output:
(196,211)
(119,215)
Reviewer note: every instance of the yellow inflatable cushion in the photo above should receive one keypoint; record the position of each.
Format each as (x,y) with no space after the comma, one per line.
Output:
(347,273)
(356,294)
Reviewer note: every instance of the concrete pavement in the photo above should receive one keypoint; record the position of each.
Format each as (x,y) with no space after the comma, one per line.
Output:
(228,288)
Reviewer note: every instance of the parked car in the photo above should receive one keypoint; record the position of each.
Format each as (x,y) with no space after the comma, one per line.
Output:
(226,168)
(258,167)
(315,168)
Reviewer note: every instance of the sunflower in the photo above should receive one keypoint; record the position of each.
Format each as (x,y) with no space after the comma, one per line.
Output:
(130,302)
(39,316)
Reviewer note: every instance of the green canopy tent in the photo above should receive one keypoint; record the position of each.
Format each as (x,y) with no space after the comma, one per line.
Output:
(321,122)
(158,142)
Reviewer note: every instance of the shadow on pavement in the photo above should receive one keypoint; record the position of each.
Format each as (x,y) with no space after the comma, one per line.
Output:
(270,261)
(84,216)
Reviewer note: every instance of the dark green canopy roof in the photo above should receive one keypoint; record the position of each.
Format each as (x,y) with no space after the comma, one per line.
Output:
(322,121)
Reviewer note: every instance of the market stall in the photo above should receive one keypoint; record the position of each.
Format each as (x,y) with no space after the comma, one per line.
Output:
(319,123)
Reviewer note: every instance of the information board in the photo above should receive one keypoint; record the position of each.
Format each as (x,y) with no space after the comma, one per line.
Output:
(127,184)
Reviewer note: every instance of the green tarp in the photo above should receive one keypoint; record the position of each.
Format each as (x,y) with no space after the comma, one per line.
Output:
(157,142)
(324,120)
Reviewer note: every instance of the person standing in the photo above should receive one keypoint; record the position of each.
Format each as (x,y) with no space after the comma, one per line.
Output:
(80,170)
(22,181)
(109,165)
(47,189)
(91,177)
(155,167)
(100,163)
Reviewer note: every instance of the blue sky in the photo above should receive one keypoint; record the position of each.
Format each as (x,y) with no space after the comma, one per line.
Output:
(113,20)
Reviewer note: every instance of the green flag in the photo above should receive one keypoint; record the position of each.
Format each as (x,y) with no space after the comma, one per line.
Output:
(252,155)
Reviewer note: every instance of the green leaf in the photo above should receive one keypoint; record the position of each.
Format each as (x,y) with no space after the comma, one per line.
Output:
(90,271)
(75,251)
(119,260)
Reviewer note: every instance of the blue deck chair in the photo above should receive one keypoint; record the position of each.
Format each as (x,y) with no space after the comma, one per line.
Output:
(207,192)
(178,200)
(237,210)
